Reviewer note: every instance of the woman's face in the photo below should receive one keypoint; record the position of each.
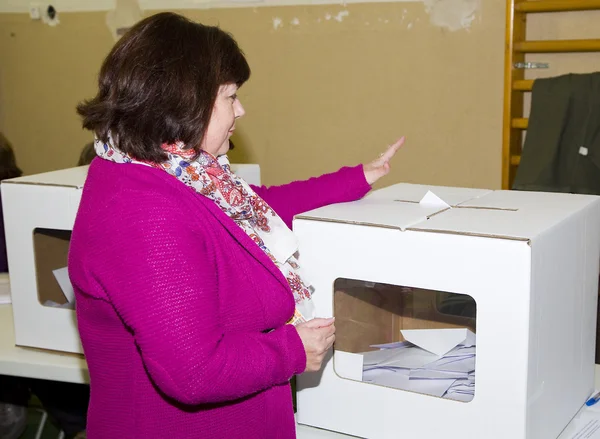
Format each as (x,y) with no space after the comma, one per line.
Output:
(226,111)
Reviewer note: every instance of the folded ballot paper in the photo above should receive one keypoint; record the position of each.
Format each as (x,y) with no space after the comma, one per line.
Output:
(62,277)
(437,362)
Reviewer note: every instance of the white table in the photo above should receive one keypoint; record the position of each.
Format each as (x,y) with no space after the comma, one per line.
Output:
(58,366)
(36,363)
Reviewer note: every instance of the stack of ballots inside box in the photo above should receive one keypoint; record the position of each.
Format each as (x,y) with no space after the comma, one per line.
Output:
(437,362)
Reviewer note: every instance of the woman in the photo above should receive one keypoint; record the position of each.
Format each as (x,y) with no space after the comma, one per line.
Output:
(192,310)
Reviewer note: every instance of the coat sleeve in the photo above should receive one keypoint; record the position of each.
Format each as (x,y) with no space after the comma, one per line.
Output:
(288,200)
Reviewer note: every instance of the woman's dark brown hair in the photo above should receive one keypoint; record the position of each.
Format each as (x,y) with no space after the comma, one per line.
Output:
(8,163)
(159,84)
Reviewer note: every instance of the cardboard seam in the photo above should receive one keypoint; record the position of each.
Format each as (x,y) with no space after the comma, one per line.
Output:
(508,209)
(410,228)
(437,213)
(406,201)
(33,183)
(353,223)
(477,235)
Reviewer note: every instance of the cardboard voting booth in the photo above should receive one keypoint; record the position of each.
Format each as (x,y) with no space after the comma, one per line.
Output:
(39,213)
(460,313)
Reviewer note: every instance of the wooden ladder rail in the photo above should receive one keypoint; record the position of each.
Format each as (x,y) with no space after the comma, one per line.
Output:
(515,84)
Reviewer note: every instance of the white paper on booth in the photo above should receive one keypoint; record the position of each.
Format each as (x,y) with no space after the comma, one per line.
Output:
(395,378)
(461,351)
(432,374)
(464,364)
(432,200)
(4,289)
(372,358)
(461,392)
(399,379)
(62,277)
(408,358)
(585,425)
(66,305)
(431,387)
(393,345)
(439,341)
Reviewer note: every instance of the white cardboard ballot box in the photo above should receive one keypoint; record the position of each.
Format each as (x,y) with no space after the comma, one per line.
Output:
(523,269)
(39,213)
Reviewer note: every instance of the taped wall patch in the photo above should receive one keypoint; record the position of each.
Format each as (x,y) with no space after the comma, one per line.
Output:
(126,14)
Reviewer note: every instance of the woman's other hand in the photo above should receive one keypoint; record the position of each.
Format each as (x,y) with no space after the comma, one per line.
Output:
(317,336)
(381,166)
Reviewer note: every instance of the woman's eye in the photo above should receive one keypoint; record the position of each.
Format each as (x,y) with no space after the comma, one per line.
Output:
(234,97)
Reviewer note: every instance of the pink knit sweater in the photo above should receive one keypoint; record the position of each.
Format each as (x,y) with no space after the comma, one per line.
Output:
(175,305)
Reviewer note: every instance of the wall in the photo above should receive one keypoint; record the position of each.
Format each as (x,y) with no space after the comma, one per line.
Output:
(331,85)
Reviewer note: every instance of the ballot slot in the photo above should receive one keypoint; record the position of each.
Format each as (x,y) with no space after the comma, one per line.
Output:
(406,338)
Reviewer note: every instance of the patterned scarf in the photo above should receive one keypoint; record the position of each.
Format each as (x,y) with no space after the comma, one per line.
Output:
(213,178)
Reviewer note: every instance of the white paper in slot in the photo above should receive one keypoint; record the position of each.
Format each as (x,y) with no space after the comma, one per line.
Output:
(439,341)
(432,200)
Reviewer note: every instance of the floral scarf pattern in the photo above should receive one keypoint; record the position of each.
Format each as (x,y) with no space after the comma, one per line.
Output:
(213,178)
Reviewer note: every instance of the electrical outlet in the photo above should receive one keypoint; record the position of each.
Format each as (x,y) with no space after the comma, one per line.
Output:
(35,12)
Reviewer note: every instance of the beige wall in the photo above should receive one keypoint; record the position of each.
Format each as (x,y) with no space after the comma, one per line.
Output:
(323,94)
